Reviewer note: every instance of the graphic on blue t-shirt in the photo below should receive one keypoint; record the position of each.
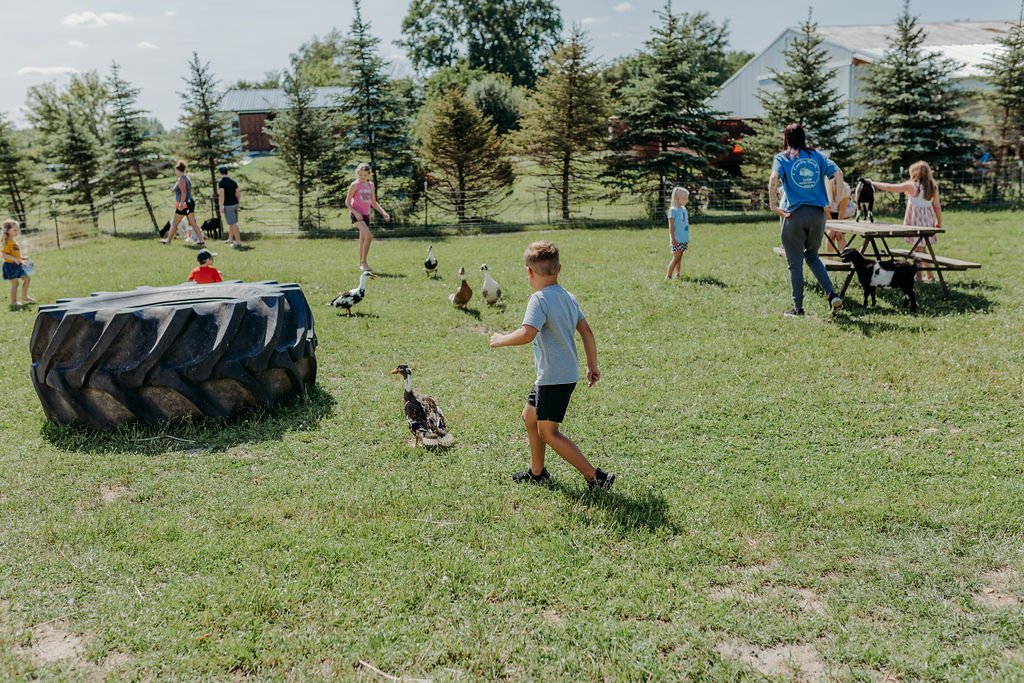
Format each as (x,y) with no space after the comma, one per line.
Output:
(803,177)
(805,173)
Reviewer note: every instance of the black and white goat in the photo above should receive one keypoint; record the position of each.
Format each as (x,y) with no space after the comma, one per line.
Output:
(873,274)
(864,198)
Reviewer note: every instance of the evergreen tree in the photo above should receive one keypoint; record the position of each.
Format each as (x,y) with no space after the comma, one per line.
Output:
(1005,72)
(500,36)
(79,159)
(373,123)
(565,121)
(129,144)
(207,129)
(666,130)
(465,156)
(912,107)
(301,137)
(16,180)
(805,96)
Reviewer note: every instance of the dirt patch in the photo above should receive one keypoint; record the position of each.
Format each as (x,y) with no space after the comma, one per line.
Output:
(800,660)
(54,642)
(998,591)
(552,617)
(108,494)
(757,568)
(809,601)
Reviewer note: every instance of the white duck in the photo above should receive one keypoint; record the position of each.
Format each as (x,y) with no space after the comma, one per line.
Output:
(350,298)
(461,296)
(430,264)
(491,289)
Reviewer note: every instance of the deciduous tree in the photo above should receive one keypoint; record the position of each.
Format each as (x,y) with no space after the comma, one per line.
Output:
(501,36)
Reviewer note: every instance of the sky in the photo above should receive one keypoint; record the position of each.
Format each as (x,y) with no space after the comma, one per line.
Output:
(153,41)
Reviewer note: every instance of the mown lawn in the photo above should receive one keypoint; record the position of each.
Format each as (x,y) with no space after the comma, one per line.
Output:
(816,499)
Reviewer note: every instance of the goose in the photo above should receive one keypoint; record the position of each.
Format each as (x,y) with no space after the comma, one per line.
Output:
(430,264)
(425,419)
(491,289)
(350,298)
(461,296)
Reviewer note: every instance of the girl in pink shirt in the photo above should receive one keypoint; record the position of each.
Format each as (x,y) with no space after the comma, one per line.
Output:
(362,196)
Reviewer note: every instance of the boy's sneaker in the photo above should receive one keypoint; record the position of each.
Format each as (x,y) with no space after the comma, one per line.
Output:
(527,476)
(836,303)
(602,482)
(794,313)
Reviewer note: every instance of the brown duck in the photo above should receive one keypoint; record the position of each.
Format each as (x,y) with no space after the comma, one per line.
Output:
(461,296)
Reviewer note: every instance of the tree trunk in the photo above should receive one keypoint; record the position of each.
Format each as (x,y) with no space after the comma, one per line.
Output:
(213,189)
(566,160)
(460,202)
(92,204)
(302,193)
(145,197)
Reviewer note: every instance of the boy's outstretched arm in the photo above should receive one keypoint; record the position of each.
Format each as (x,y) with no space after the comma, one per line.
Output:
(590,348)
(524,335)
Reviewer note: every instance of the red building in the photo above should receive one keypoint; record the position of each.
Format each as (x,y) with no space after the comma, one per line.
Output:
(251,109)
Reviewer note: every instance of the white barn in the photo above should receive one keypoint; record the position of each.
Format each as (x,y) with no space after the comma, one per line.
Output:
(851,48)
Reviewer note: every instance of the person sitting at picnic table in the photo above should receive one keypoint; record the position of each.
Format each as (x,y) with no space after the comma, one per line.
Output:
(839,208)
(802,171)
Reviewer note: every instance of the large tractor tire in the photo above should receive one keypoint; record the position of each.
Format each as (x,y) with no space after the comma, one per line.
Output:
(158,354)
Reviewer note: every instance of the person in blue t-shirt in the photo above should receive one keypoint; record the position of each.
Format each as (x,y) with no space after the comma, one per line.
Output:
(678,231)
(802,172)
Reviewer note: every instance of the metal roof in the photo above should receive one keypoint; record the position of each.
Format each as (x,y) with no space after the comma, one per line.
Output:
(970,43)
(274,99)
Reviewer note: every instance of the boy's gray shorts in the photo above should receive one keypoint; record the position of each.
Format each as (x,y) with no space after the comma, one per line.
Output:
(231,214)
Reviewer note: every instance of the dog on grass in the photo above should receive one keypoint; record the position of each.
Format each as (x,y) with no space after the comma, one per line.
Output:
(211,228)
(864,197)
(874,274)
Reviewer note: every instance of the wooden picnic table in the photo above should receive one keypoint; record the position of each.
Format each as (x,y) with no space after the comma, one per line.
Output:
(874,242)
(873,234)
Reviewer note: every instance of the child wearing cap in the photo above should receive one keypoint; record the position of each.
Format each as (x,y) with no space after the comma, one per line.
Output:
(205,273)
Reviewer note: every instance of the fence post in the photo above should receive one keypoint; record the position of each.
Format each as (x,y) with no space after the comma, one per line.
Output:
(426,203)
(548,197)
(113,213)
(53,212)
(1020,181)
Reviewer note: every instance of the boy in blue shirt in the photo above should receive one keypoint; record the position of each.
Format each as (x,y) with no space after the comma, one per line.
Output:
(551,321)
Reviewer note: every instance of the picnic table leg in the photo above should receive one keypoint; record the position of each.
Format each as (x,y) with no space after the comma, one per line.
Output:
(938,269)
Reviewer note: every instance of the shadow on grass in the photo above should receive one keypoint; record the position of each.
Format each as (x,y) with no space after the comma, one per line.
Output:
(629,513)
(358,314)
(471,312)
(389,276)
(210,242)
(705,280)
(964,297)
(200,435)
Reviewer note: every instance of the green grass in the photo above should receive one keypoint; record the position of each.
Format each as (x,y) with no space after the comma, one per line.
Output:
(848,488)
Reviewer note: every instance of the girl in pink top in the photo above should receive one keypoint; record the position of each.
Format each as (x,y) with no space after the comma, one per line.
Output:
(923,206)
(362,196)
